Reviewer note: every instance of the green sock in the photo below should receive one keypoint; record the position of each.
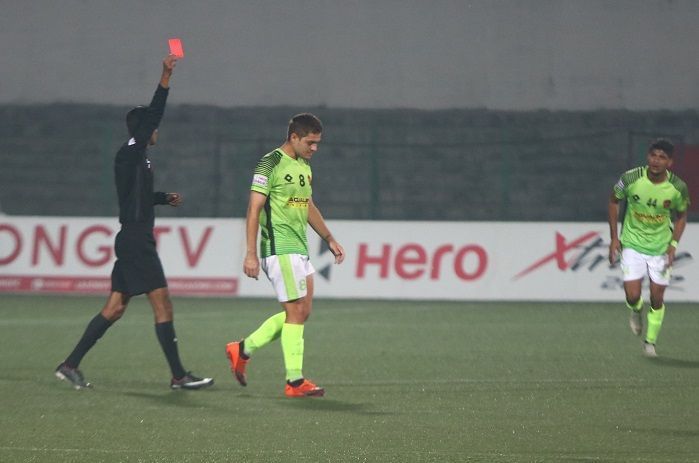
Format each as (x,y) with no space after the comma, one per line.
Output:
(636,307)
(268,331)
(292,347)
(655,321)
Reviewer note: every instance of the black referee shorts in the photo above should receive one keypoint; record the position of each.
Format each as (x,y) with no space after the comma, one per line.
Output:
(137,269)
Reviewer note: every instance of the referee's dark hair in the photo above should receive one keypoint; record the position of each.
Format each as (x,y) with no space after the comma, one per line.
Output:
(303,124)
(134,118)
(662,144)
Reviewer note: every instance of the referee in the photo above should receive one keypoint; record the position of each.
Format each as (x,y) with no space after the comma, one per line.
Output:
(137,269)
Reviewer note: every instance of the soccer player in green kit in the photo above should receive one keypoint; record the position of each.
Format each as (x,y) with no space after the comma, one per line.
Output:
(281,206)
(649,239)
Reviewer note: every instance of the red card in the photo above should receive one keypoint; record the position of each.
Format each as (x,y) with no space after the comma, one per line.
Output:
(176,47)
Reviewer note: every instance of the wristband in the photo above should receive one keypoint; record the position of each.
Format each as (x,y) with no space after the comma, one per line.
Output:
(674,243)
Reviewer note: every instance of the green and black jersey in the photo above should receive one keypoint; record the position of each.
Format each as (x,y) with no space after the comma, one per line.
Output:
(287,184)
(649,206)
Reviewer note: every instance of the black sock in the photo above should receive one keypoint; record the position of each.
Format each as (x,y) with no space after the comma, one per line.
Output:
(295,383)
(168,342)
(95,329)
(242,350)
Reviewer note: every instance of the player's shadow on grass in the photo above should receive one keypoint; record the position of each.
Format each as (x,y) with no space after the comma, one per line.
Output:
(676,363)
(329,405)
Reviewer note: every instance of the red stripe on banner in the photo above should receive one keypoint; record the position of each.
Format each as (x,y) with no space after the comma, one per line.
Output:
(102,285)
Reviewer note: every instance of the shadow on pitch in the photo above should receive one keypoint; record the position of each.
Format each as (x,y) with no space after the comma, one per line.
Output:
(329,405)
(675,363)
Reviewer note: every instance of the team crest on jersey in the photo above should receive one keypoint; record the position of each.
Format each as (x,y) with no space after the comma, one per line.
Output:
(667,204)
(260,180)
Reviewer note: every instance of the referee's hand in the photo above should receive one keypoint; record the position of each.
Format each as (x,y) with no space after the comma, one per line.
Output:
(174,199)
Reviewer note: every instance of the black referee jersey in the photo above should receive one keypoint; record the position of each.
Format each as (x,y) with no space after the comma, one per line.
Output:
(133,173)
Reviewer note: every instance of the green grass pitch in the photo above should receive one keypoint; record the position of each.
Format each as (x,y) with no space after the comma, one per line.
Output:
(405,382)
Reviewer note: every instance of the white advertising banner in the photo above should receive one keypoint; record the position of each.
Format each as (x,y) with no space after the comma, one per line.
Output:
(485,261)
(394,260)
(75,255)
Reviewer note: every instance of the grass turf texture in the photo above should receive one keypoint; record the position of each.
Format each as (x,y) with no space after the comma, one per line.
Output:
(405,381)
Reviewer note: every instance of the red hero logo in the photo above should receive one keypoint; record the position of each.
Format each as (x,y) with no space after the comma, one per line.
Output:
(412,261)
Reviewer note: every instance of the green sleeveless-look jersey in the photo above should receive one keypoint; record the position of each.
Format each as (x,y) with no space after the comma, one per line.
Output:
(287,184)
(648,220)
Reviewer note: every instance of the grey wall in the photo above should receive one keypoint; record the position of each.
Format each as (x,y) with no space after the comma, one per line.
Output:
(528,54)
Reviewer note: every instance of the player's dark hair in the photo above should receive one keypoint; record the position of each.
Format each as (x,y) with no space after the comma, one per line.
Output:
(134,118)
(303,124)
(663,145)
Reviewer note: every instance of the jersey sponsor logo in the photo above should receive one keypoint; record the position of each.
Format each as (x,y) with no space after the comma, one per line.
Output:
(132,141)
(297,202)
(649,218)
(260,180)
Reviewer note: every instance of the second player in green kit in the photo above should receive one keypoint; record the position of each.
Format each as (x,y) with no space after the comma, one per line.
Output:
(656,216)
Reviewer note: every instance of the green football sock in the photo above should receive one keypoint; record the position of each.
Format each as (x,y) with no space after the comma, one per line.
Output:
(636,307)
(268,331)
(292,347)
(655,321)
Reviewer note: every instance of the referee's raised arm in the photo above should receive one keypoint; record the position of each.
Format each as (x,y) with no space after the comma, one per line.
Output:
(155,110)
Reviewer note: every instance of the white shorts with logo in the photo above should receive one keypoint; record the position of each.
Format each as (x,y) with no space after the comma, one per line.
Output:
(288,273)
(635,266)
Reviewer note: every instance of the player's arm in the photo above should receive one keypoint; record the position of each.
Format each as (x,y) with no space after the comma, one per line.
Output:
(613,218)
(677,230)
(162,198)
(317,223)
(251,262)
(156,108)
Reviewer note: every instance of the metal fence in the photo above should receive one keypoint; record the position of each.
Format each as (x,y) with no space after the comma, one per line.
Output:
(376,165)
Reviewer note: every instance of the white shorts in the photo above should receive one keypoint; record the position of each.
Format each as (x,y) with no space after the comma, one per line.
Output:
(288,273)
(635,266)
